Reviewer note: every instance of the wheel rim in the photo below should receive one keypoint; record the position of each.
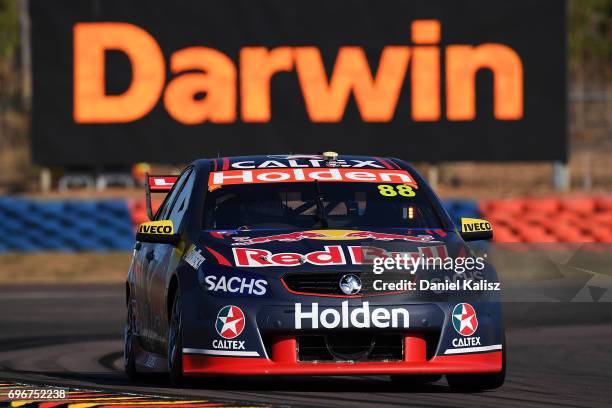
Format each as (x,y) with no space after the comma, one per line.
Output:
(174,332)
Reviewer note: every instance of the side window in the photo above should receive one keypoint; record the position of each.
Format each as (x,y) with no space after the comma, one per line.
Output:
(181,203)
(164,210)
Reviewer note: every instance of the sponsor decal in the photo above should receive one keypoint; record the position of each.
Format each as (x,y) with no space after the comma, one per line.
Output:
(475,225)
(294,175)
(229,344)
(331,255)
(383,236)
(359,317)
(156,227)
(254,258)
(194,257)
(464,319)
(466,342)
(304,161)
(289,237)
(388,190)
(337,235)
(230,324)
(236,285)
(465,323)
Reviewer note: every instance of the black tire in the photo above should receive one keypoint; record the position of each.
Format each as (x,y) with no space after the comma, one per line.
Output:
(175,342)
(478,382)
(414,380)
(129,343)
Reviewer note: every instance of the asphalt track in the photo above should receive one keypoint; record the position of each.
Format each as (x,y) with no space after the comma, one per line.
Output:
(560,354)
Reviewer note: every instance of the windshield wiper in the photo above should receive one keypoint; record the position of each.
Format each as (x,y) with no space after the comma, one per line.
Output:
(320,217)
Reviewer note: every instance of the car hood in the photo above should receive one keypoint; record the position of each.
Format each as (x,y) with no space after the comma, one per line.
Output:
(323,249)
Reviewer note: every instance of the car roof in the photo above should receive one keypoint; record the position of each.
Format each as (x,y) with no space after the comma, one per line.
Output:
(300,160)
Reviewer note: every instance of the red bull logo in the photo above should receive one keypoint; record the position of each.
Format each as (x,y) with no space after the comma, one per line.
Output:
(255,258)
(332,235)
(330,255)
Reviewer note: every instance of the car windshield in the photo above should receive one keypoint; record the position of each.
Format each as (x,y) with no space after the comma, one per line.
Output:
(318,205)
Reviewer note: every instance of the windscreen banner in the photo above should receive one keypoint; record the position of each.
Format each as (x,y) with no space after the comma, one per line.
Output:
(118,82)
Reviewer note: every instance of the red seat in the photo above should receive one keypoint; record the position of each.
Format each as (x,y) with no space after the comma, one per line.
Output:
(603,218)
(508,206)
(602,235)
(547,205)
(580,205)
(486,206)
(568,218)
(139,216)
(604,203)
(561,230)
(499,217)
(530,232)
(573,220)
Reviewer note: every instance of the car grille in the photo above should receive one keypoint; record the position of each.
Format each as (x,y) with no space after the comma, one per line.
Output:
(350,347)
(328,283)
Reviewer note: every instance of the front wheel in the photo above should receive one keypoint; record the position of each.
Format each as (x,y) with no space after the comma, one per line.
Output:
(129,339)
(175,342)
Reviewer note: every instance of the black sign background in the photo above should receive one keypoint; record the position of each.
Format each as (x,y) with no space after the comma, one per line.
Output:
(534,29)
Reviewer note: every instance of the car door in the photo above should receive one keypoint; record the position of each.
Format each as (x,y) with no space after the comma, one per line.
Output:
(165,260)
(149,258)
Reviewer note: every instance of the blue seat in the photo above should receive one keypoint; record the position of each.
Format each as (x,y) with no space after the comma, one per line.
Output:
(64,225)
(458,208)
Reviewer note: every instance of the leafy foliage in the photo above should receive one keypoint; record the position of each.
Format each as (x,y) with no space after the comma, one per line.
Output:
(590,33)
(9,28)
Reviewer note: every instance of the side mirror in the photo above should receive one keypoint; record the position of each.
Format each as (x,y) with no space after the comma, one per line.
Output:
(474,229)
(157,232)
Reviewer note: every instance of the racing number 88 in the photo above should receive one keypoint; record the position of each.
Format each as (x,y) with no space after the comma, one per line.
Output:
(388,190)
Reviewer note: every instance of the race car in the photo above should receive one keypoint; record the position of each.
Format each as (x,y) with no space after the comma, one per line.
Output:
(310,265)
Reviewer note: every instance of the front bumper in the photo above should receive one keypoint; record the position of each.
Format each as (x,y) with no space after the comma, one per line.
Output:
(268,343)
(283,361)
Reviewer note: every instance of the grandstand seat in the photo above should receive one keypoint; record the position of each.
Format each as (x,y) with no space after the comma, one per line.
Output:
(579,205)
(32,225)
(547,205)
(574,219)
(604,203)
(508,206)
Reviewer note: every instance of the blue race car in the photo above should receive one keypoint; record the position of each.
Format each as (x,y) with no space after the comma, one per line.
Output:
(310,265)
